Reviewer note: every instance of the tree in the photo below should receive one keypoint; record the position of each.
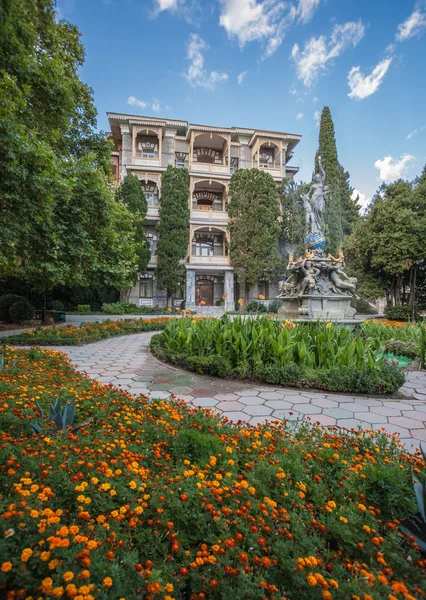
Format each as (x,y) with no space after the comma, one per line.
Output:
(254,226)
(59,222)
(293,231)
(131,194)
(340,212)
(173,231)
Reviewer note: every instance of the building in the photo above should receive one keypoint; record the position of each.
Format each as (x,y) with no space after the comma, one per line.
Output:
(145,146)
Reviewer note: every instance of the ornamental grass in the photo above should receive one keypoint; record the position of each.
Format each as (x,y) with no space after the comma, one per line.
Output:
(71,335)
(160,501)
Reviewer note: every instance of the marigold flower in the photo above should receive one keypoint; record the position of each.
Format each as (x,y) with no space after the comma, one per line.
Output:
(6,566)
(26,554)
(107,582)
(68,576)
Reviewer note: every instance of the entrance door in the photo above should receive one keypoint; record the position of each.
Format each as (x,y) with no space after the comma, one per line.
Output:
(204,292)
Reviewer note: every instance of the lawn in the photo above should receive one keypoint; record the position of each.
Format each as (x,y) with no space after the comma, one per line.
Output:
(70,335)
(154,499)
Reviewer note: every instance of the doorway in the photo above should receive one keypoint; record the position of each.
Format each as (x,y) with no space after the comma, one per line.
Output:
(204,292)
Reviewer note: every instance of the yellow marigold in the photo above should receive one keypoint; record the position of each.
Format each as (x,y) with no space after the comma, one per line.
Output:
(329,325)
(107,582)
(26,554)
(68,576)
(311,580)
(343,519)
(6,567)
(168,587)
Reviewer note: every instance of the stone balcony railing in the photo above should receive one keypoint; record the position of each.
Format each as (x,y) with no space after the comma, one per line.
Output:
(274,171)
(153,260)
(209,168)
(209,215)
(147,162)
(152,212)
(209,260)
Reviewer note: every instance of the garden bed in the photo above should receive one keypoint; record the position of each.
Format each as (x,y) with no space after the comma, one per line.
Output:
(308,355)
(70,335)
(155,499)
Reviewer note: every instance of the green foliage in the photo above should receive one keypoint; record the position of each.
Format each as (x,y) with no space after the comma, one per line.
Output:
(173,230)
(83,308)
(6,302)
(399,313)
(62,420)
(364,308)
(59,222)
(131,194)
(253,224)
(341,212)
(306,354)
(274,306)
(127,308)
(58,305)
(21,311)
(293,231)
(256,307)
(400,348)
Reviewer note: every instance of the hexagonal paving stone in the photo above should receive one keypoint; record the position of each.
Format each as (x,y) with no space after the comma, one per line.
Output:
(158,395)
(297,399)
(321,419)
(205,401)
(271,395)
(415,414)
(406,422)
(324,402)
(257,410)
(229,406)
(181,389)
(159,387)
(236,416)
(201,393)
(419,434)
(279,404)
(385,411)
(353,424)
(370,417)
(250,400)
(398,405)
(309,409)
(249,392)
(187,398)
(142,378)
(369,402)
(286,415)
(354,407)
(226,397)
(338,413)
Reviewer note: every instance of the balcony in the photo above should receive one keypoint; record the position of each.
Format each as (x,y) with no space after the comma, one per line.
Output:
(201,167)
(209,260)
(209,215)
(147,149)
(209,201)
(208,247)
(210,153)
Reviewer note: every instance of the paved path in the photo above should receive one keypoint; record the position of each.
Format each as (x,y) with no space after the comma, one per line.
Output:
(126,362)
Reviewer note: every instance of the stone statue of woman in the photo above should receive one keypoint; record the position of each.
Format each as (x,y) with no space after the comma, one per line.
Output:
(314,201)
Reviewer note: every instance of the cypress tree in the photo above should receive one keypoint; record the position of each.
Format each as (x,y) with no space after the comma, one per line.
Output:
(340,212)
(131,194)
(173,230)
(254,226)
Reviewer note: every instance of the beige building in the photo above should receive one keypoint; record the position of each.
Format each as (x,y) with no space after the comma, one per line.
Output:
(145,146)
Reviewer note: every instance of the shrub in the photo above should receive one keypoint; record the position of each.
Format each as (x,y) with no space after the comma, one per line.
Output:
(127,308)
(58,305)
(289,374)
(400,348)
(274,306)
(83,308)
(399,313)
(21,311)
(257,307)
(162,497)
(364,308)
(5,304)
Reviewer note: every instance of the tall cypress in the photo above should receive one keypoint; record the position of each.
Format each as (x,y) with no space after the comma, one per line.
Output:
(340,212)
(173,230)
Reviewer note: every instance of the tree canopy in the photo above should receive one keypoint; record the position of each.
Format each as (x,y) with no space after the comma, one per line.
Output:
(254,226)
(59,221)
(173,230)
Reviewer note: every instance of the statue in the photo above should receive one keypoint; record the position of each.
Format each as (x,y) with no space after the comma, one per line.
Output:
(309,274)
(341,282)
(314,201)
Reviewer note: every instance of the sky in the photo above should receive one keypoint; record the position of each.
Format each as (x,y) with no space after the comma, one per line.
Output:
(269,64)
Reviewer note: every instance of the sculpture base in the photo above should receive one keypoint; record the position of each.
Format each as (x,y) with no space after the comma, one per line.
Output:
(326,307)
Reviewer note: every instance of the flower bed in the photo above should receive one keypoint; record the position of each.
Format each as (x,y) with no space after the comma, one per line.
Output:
(315,355)
(70,335)
(407,339)
(157,500)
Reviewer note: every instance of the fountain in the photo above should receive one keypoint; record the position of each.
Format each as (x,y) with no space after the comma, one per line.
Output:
(317,286)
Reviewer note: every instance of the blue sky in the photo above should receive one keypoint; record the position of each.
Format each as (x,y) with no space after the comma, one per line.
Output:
(270,64)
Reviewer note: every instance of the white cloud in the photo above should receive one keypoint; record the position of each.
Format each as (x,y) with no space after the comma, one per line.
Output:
(266,20)
(241,77)
(391,169)
(318,52)
(135,102)
(363,86)
(363,201)
(166,5)
(315,99)
(299,116)
(317,118)
(413,25)
(415,132)
(196,74)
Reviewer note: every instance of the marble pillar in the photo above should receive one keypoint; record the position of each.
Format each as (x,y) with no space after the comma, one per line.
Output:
(229,291)
(190,289)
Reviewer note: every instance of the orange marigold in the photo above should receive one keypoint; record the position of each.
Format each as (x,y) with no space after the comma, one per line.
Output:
(107,582)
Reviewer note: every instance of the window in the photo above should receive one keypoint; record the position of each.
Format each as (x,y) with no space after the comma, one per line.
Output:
(180,164)
(147,154)
(145,288)
(152,239)
(179,294)
(151,193)
(263,289)
(181,157)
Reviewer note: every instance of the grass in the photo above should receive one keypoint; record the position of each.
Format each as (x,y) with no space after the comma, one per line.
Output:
(154,499)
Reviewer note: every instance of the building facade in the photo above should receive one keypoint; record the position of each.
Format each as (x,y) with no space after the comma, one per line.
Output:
(146,146)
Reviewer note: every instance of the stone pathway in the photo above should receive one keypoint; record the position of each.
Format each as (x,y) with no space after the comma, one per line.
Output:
(126,362)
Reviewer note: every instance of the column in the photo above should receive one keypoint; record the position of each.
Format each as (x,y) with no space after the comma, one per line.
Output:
(190,289)
(126,149)
(229,291)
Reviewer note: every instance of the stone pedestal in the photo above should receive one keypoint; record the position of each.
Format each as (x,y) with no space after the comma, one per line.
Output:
(323,307)
(229,291)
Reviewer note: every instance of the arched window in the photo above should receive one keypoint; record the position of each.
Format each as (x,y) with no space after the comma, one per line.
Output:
(150,190)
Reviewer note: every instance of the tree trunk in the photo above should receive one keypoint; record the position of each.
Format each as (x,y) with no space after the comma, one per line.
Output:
(413,296)
(43,310)
(413,274)
(125,295)
(398,291)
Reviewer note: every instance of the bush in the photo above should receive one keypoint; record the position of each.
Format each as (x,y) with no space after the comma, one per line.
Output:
(83,308)
(400,348)
(58,305)
(289,374)
(399,313)
(5,304)
(169,500)
(364,308)
(21,311)
(257,307)
(274,306)
(127,308)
